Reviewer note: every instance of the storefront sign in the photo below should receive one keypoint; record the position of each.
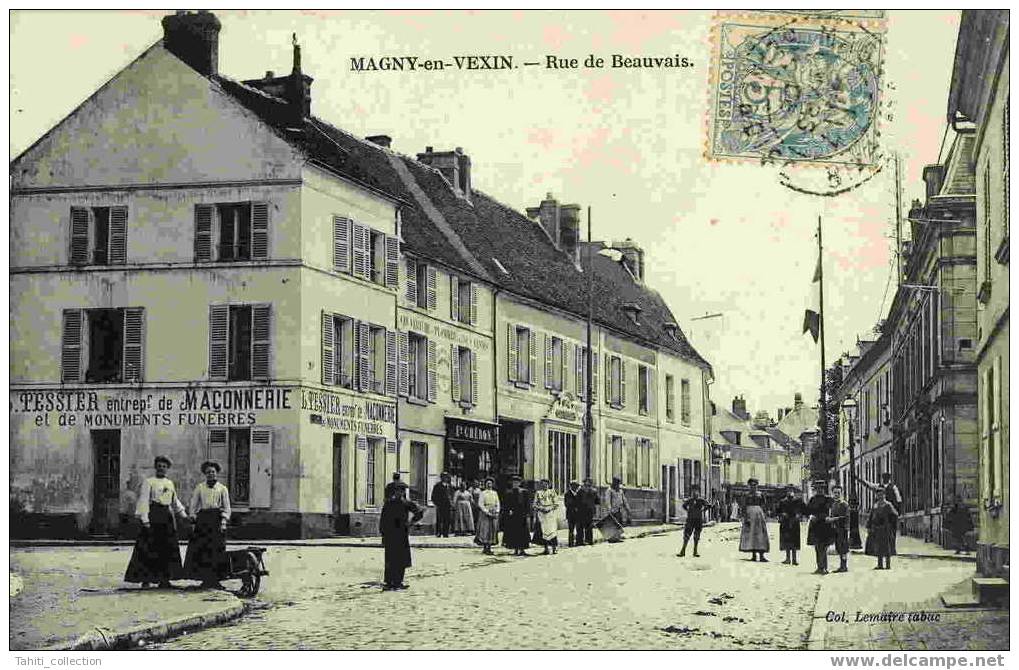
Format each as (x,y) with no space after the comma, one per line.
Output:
(565,408)
(331,410)
(471,431)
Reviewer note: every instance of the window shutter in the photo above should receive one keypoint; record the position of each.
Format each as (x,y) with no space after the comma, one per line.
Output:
(328,340)
(341,244)
(392,262)
(997,462)
(548,360)
(344,354)
(403,363)
(608,379)
(80,217)
(364,362)
(261,340)
(391,358)
(412,282)
(219,332)
(70,351)
(474,304)
(609,459)
(622,382)
(564,367)
(594,376)
(431,371)
(454,364)
(203,233)
(360,250)
(650,390)
(474,377)
(532,346)
(259,230)
(431,287)
(511,348)
(134,344)
(578,369)
(380,471)
(360,470)
(118,235)
(260,488)
(454,298)
(219,450)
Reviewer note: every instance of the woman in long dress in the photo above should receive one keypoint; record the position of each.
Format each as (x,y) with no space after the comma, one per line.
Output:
(463,511)
(754,536)
(156,555)
(210,512)
(790,510)
(488,517)
(516,508)
(546,509)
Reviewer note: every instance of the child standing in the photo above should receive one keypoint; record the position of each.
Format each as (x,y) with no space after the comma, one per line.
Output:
(694,506)
(881,527)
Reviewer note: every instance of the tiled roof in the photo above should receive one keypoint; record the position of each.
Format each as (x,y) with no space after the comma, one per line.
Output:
(961,178)
(480,237)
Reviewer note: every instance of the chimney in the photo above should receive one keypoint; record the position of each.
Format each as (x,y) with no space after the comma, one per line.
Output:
(569,231)
(454,165)
(547,216)
(294,89)
(193,37)
(934,177)
(797,401)
(739,407)
(633,257)
(381,140)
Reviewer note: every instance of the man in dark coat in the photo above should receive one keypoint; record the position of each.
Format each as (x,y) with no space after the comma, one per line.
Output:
(442,498)
(516,508)
(818,531)
(838,521)
(790,509)
(395,528)
(571,501)
(587,508)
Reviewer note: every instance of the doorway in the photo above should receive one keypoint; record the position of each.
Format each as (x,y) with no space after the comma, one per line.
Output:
(105,481)
(341,521)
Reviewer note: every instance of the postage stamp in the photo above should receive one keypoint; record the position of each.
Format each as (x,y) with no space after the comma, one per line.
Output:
(795,89)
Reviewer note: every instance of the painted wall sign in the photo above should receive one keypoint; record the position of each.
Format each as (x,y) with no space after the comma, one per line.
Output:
(337,412)
(565,408)
(443,333)
(471,431)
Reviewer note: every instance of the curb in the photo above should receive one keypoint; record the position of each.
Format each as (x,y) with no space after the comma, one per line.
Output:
(104,639)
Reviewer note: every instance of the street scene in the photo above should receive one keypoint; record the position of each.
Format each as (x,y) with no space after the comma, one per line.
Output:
(509,330)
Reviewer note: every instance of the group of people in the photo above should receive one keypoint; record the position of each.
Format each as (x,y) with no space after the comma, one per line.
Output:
(156,555)
(828,524)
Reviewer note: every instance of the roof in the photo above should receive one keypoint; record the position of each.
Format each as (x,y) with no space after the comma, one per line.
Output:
(801,420)
(475,236)
(961,176)
(979,53)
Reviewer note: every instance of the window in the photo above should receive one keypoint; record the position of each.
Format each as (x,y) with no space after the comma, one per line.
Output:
(240,466)
(366,253)
(555,363)
(522,354)
(463,300)
(670,398)
(421,281)
(580,364)
(337,350)
(562,459)
(377,257)
(643,389)
(98,235)
(644,462)
(688,474)
(376,369)
(631,463)
(234,231)
(616,383)
(246,457)
(616,442)
(239,342)
(697,473)
(370,470)
(417,366)
(418,484)
(102,345)
(684,404)
(464,375)
(866,413)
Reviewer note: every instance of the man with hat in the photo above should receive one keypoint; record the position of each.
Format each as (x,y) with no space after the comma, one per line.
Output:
(442,498)
(395,528)
(587,508)
(571,500)
(818,531)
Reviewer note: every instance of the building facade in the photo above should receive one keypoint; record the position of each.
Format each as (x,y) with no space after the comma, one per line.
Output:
(978,104)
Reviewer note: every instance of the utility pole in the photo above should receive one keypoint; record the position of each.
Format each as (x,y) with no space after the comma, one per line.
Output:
(588,372)
(823,406)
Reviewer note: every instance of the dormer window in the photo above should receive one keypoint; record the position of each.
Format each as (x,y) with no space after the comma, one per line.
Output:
(672,330)
(632,310)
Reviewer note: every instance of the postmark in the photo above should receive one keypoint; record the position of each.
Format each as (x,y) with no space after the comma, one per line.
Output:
(790,89)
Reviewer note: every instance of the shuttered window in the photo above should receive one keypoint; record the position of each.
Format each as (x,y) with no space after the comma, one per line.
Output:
(643,389)
(464,375)
(98,235)
(631,463)
(616,446)
(232,231)
(103,345)
(670,398)
(240,342)
(684,401)
(414,364)
(615,382)
(580,365)
(337,350)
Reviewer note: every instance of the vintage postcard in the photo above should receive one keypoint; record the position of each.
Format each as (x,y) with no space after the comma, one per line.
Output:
(510,330)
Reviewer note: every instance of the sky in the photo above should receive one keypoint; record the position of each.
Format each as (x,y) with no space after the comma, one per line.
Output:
(719,238)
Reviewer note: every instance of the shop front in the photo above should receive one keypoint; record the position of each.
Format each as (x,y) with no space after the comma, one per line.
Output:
(472,450)
(562,428)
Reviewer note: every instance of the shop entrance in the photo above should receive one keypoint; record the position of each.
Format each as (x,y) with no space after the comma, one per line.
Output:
(105,481)
(472,451)
(341,521)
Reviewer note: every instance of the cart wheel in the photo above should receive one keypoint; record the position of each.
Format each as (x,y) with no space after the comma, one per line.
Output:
(251,580)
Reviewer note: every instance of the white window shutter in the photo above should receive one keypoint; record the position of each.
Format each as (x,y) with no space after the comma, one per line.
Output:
(79,251)
(391,363)
(532,346)
(431,287)
(474,304)
(364,362)
(403,363)
(261,341)
(71,345)
(260,491)
(219,336)
(622,382)
(431,371)
(134,344)
(564,367)
(578,369)
(610,361)
(474,377)
(360,471)
(392,262)
(512,353)
(203,233)
(344,354)
(454,298)
(118,235)
(594,376)
(328,340)
(454,365)
(412,282)
(651,389)
(548,360)
(360,250)
(341,244)
(259,230)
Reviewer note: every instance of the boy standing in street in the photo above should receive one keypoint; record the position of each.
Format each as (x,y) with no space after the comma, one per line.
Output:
(694,506)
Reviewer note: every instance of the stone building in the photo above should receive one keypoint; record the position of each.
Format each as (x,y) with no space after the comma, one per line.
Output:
(978,107)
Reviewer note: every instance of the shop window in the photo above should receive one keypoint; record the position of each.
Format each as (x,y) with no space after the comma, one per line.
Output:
(684,404)
(670,398)
(102,345)
(562,459)
(239,342)
(98,235)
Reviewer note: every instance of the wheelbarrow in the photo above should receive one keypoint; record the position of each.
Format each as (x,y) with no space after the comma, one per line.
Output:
(248,566)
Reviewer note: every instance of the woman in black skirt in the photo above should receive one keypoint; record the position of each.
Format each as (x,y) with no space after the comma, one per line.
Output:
(156,555)
(790,510)
(210,512)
